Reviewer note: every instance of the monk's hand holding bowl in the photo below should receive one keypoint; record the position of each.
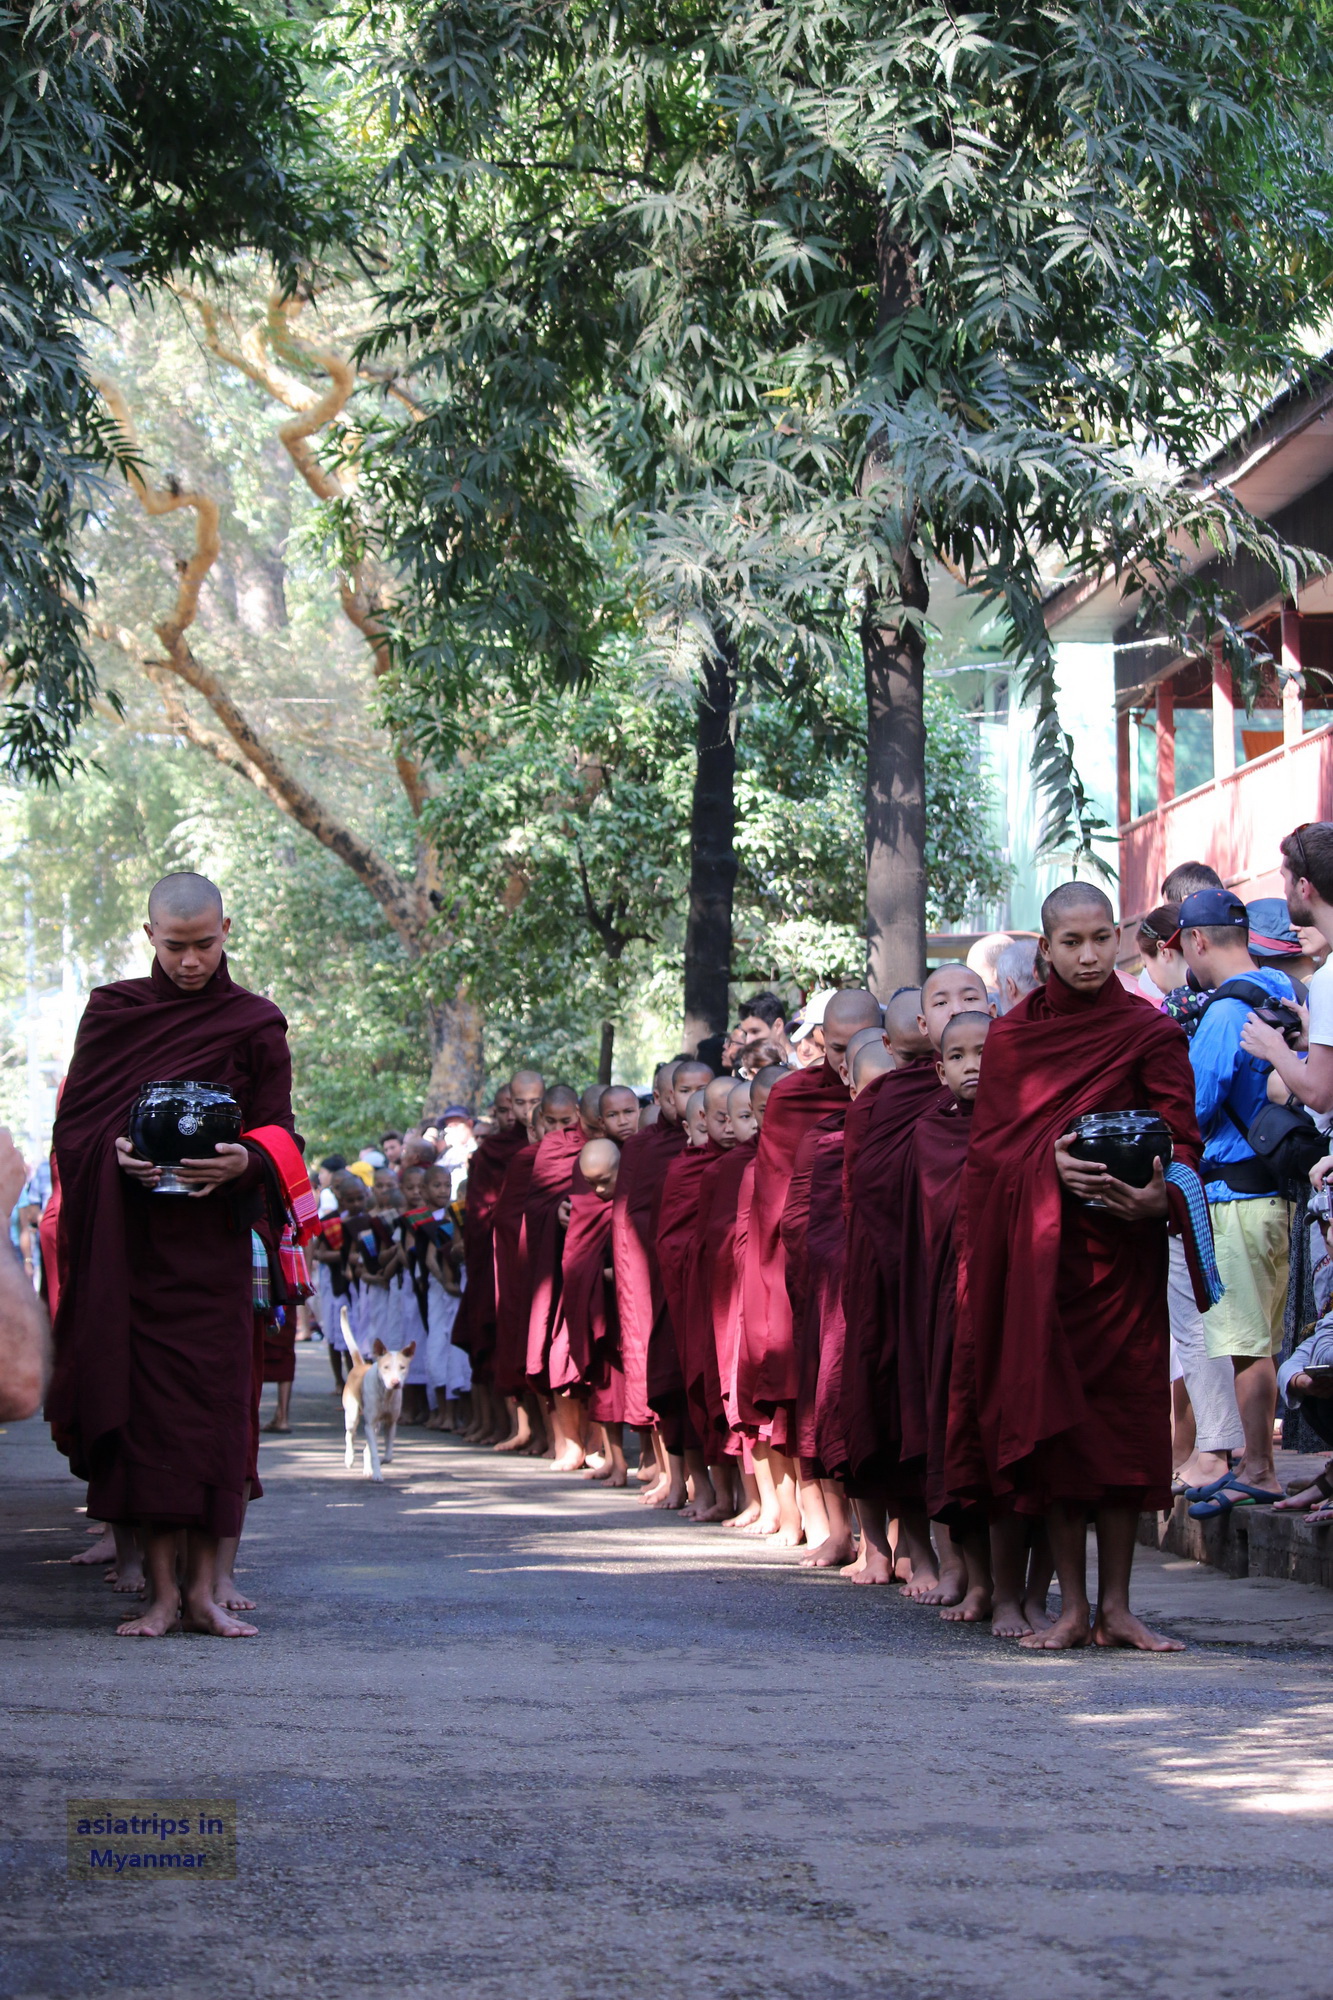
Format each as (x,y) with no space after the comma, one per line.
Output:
(229,1163)
(135,1166)
(1091,1181)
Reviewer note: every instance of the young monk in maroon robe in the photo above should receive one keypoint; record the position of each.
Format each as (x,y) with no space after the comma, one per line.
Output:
(713,1296)
(762,1514)
(513,1280)
(1064,1305)
(154,1336)
(703,1389)
(585,1358)
(767,1373)
(618,1108)
(677,1212)
(644,1159)
(475,1327)
(548,1192)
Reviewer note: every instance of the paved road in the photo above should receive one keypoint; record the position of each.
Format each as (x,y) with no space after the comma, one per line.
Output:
(506,1737)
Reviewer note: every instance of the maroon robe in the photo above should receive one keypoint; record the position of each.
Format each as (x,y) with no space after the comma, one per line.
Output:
(767,1372)
(513,1281)
(474,1329)
(703,1386)
(585,1349)
(726,1222)
(824,1258)
(1062,1309)
(644,1159)
(830,1419)
(552,1183)
(677,1212)
(939,1147)
(878,1373)
(154,1337)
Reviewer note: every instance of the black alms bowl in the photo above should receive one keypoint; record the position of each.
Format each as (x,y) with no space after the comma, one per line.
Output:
(1126,1143)
(182,1119)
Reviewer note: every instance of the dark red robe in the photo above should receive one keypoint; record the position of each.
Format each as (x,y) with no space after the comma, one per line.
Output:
(552,1183)
(830,1420)
(823,1261)
(585,1348)
(698,1352)
(154,1336)
(877,1372)
(644,1159)
(930,1280)
(767,1372)
(513,1281)
(677,1212)
(1062,1309)
(727,1220)
(474,1329)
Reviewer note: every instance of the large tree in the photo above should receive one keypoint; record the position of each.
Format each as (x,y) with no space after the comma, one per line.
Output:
(840,296)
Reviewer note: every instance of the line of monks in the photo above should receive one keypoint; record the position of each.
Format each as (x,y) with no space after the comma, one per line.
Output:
(877,1294)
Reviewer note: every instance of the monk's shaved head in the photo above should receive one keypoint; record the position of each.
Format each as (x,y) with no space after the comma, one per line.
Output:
(718,1090)
(183,898)
(849,1010)
(901,1031)
(1071,896)
(861,1039)
(598,1163)
(560,1098)
(761,1085)
(961,1026)
(691,1074)
(663,1074)
(871,1059)
(618,1109)
(526,1080)
(590,1110)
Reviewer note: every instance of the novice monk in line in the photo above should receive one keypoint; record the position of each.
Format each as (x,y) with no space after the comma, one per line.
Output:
(154,1335)
(618,1109)
(513,1280)
(1062,1307)
(703,1388)
(677,1214)
(584,1357)
(762,1514)
(644,1159)
(476,1325)
(548,1194)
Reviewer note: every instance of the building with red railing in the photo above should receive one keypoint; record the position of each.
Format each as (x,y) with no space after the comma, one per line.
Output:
(1201,777)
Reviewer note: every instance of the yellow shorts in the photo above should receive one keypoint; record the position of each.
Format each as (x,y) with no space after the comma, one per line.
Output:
(1252,1244)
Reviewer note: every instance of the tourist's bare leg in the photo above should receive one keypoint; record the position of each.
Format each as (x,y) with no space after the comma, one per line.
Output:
(1256,1400)
(875,1563)
(838,1546)
(1067,1527)
(1115,1623)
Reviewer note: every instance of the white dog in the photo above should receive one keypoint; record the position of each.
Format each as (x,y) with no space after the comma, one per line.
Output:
(374,1391)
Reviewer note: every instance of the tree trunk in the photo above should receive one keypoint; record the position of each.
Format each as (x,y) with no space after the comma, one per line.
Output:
(456,1072)
(893,653)
(712,851)
(606,1052)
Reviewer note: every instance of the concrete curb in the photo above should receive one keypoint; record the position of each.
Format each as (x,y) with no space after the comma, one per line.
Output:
(1249,1541)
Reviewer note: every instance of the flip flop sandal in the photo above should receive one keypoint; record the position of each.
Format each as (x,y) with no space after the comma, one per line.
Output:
(1259,1496)
(1207,1492)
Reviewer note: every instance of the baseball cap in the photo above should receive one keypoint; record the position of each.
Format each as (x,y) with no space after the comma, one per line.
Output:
(812,1015)
(456,1111)
(1212,909)
(1272,933)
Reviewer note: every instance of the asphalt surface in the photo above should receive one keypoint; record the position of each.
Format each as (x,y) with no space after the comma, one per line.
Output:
(511,1737)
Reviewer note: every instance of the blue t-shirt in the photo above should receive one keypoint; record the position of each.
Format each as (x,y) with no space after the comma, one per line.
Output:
(1224,1075)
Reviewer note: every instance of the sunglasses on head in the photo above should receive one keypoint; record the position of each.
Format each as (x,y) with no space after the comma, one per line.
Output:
(1298,843)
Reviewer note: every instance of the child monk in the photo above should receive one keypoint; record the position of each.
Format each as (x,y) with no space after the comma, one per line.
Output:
(584,1355)
(644,1158)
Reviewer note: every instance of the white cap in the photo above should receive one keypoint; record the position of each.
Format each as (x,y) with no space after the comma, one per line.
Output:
(812,1015)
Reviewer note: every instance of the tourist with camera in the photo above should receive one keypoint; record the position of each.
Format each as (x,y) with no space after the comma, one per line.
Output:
(1246,1173)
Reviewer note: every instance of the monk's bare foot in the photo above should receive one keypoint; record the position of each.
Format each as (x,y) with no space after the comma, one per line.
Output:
(675,1496)
(1010,1621)
(789,1536)
(651,1495)
(205,1614)
(874,1567)
(923,1585)
(972,1608)
(1070,1630)
(230,1597)
(717,1512)
(154,1623)
(569,1460)
(1122,1628)
(619,1476)
(127,1578)
(103,1550)
(274,1425)
(831,1553)
(748,1514)
(1038,1617)
(600,1472)
(766,1522)
(514,1443)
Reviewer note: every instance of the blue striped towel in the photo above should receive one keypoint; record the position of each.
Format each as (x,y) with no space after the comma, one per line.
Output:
(1196,1204)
